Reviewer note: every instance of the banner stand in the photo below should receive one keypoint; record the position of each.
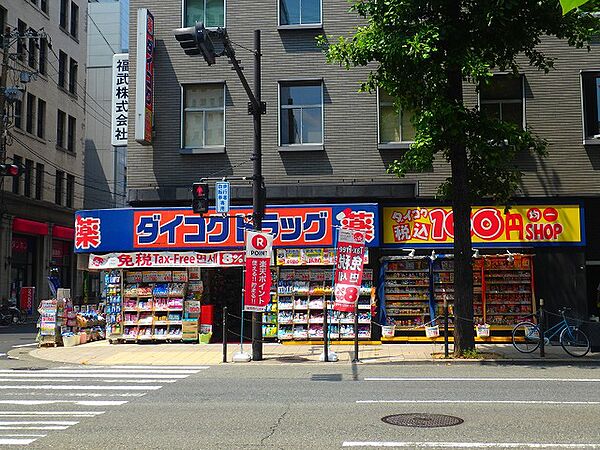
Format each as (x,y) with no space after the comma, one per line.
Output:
(329,356)
(241,356)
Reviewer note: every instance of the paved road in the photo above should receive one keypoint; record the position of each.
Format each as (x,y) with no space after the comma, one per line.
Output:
(302,406)
(16,335)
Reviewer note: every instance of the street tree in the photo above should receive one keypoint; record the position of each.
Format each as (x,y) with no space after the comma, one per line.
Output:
(422,53)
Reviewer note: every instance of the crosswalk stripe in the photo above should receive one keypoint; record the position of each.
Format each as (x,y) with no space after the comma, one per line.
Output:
(35,414)
(90,375)
(75,402)
(22,435)
(150,367)
(45,427)
(16,441)
(74,380)
(181,373)
(72,394)
(37,422)
(25,345)
(50,387)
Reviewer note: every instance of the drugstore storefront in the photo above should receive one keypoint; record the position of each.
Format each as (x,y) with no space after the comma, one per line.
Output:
(519,256)
(166,272)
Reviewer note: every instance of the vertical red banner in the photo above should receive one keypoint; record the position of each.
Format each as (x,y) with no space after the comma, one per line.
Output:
(349,262)
(259,247)
(26,300)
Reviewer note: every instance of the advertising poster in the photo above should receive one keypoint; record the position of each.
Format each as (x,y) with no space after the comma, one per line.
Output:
(348,269)
(259,247)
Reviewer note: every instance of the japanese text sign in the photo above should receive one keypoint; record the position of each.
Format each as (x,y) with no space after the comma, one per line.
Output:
(257,292)
(129,229)
(348,269)
(165,259)
(222,190)
(120,99)
(27,299)
(144,77)
(521,225)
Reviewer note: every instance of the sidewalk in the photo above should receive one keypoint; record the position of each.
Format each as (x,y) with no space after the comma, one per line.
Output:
(103,353)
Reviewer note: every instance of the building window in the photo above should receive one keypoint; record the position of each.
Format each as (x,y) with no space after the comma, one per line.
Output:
(203,115)
(70,191)
(62,68)
(301,113)
(30,113)
(74,20)
(32,52)
(61,119)
(42,68)
(590,84)
(39,181)
(71,131)
(44,5)
(502,98)
(21,27)
(394,126)
(299,12)
(18,114)
(72,76)
(64,12)
(16,181)
(41,118)
(2,24)
(28,177)
(58,187)
(209,12)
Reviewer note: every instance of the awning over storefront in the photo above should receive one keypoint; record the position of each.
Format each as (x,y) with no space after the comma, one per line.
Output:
(64,233)
(27,226)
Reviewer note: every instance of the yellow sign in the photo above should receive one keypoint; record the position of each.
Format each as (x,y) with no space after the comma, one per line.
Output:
(532,224)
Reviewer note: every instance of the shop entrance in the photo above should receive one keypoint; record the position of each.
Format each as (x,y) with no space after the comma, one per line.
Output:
(223,287)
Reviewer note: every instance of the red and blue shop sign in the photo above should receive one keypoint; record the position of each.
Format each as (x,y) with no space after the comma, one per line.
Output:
(155,229)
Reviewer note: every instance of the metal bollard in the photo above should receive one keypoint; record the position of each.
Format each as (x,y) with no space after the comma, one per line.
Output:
(542,328)
(225,334)
(356,359)
(446,327)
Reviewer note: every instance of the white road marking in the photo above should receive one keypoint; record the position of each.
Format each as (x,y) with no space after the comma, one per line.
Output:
(567,380)
(2,354)
(45,374)
(16,441)
(469,444)
(76,402)
(45,427)
(178,368)
(23,435)
(49,387)
(71,394)
(511,402)
(25,345)
(74,380)
(44,422)
(4,414)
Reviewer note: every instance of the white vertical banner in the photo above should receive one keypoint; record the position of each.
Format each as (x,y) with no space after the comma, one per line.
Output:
(120,99)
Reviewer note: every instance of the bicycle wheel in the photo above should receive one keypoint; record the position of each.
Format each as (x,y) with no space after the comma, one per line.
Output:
(526,337)
(574,341)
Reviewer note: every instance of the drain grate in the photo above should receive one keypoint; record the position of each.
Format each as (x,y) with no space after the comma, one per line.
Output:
(422,420)
(29,368)
(326,377)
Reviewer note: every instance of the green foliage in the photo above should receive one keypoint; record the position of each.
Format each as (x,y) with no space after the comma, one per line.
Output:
(416,45)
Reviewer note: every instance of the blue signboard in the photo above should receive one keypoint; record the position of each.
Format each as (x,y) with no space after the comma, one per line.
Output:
(222,190)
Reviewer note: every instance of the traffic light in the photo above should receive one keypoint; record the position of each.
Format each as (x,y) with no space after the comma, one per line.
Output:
(200,198)
(196,41)
(11,170)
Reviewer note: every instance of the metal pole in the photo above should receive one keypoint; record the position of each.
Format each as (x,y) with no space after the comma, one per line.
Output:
(445,326)
(542,328)
(258,208)
(325,330)
(356,359)
(242,325)
(225,334)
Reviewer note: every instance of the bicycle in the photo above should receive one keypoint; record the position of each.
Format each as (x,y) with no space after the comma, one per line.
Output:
(526,337)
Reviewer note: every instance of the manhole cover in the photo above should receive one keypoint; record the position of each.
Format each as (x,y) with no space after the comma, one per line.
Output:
(418,420)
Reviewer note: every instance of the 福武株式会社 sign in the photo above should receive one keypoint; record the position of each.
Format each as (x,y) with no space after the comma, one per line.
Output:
(529,225)
(168,229)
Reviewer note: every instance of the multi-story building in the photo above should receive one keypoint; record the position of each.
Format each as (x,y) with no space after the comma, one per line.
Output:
(325,143)
(46,127)
(105,164)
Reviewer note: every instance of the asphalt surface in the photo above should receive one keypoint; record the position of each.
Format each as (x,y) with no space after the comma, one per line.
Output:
(326,405)
(14,335)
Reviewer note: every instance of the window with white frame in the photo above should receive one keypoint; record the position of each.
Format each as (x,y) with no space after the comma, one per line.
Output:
(301,113)
(395,126)
(590,85)
(502,98)
(209,12)
(203,115)
(299,12)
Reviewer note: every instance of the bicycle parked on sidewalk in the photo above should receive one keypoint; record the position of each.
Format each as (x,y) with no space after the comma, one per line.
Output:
(526,336)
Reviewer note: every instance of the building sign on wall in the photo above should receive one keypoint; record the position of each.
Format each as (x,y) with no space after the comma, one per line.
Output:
(490,225)
(166,259)
(110,230)
(144,77)
(120,99)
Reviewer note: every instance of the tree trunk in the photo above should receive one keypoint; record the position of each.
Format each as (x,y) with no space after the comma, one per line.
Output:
(464,338)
